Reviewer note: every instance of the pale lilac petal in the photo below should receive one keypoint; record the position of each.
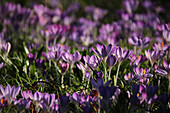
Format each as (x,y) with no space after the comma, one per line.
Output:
(2,90)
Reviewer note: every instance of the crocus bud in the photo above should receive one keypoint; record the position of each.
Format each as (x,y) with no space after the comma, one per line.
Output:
(64,67)
(111,60)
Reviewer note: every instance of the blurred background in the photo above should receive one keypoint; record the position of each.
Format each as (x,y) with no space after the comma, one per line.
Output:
(111,5)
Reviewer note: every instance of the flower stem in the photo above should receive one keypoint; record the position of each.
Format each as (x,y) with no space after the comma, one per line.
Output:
(62,81)
(115,79)
(134,50)
(98,94)
(83,77)
(71,71)
(105,69)
(88,82)
(110,69)
(159,81)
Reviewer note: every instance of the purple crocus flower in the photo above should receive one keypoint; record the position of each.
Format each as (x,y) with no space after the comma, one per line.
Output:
(160,47)
(6,47)
(107,93)
(82,67)
(64,67)
(166,33)
(92,61)
(9,93)
(140,72)
(47,102)
(99,83)
(152,56)
(86,103)
(148,93)
(40,63)
(140,60)
(99,74)
(161,72)
(55,52)
(37,98)
(136,41)
(49,55)
(31,57)
(166,66)
(137,61)
(2,65)
(142,75)
(104,51)
(23,103)
(130,5)
(120,55)
(70,58)
(111,60)
(75,98)
(96,12)
(129,77)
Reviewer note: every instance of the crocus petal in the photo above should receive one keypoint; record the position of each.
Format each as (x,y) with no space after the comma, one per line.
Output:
(111,60)
(7,89)
(77,56)
(161,72)
(165,64)
(104,51)
(99,82)
(2,90)
(107,83)
(118,52)
(94,84)
(75,96)
(17,90)
(99,48)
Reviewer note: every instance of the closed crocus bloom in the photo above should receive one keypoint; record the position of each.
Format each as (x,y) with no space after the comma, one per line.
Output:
(152,56)
(6,47)
(10,93)
(31,57)
(111,60)
(2,65)
(166,35)
(64,67)
(75,98)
